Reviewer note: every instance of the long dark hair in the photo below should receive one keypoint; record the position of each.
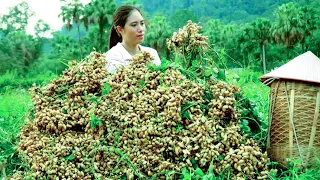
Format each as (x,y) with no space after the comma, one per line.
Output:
(119,19)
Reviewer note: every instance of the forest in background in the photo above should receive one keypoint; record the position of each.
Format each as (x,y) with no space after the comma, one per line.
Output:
(238,31)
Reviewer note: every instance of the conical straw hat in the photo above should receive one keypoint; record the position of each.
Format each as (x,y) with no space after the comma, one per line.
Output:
(305,67)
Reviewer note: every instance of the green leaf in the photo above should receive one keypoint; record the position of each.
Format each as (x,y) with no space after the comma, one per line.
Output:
(94,100)
(210,169)
(123,177)
(221,75)
(207,72)
(184,109)
(106,89)
(221,157)
(70,157)
(272,163)
(194,163)
(186,174)
(210,176)
(199,172)
(204,107)
(179,127)
(298,161)
(162,68)
(95,122)
(141,83)
(219,137)
(7,149)
(208,96)
(186,115)
(195,63)
(64,111)
(146,77)
(185,170)
(244,125)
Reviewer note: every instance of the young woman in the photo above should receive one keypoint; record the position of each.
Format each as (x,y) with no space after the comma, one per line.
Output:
(126,35)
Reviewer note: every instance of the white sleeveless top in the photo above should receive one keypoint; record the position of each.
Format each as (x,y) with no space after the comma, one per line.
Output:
(119,56)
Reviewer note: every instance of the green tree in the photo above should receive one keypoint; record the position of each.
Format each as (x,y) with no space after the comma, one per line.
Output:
(288,27)
(310,18)
(41,28)
(16,19)
(73,12)
(132,2)
(223,43)
(245,45)
(179,18)
(313,43)
(18,52)
(157,34)
(100,12)
(7,55)
(64,44)
(92,39)
(215,30)
(260,34)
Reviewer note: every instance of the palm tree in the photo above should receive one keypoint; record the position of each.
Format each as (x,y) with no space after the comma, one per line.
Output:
(310,17)
(245,44)
(62,43)
(223,39)
(73,12)
(260,33)
(100,12)
(288,27)
(214,30)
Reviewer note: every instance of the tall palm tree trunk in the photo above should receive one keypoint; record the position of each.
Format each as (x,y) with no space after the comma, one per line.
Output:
(264,59)
(79,39)
(101,29)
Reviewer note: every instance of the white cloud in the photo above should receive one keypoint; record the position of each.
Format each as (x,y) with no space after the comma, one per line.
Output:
(48,10)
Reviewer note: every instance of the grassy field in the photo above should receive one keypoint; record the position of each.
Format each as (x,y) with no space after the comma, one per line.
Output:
(15,104)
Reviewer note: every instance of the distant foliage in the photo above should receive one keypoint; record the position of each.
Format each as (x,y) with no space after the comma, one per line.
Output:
(237,31)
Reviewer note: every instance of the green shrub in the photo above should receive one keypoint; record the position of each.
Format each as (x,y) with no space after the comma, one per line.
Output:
(11,80)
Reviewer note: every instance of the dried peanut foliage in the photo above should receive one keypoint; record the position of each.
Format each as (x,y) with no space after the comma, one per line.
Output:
(135,123)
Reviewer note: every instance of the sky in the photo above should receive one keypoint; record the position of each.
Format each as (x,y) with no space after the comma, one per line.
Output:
(48,10)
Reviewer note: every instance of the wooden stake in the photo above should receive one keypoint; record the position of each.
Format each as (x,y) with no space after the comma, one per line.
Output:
(272,100)
(291,122)
(314,125)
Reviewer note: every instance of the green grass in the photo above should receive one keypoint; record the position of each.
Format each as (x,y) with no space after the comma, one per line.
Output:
(14,104)
(11,80)
(253,89)
(254,103)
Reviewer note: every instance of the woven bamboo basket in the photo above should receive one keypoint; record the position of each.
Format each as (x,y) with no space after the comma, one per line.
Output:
(294,125)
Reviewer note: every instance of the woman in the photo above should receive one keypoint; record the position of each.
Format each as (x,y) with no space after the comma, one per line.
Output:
(126,35)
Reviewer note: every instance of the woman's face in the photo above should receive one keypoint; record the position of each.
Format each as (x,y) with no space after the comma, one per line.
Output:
(134,29)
